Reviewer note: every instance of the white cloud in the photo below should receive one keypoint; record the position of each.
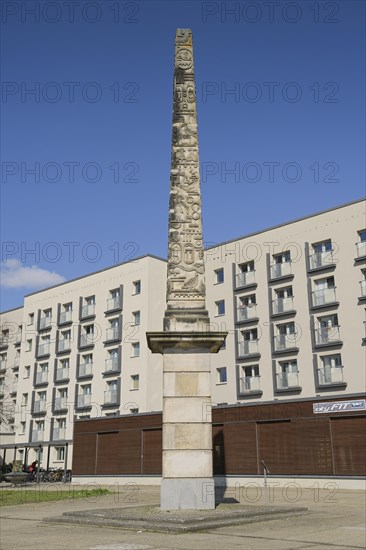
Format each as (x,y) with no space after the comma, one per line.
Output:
(15,275)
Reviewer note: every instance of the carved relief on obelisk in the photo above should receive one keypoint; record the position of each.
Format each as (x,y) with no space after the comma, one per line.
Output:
(186,280)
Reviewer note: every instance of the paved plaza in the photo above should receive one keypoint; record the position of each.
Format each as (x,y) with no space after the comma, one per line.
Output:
(335,519)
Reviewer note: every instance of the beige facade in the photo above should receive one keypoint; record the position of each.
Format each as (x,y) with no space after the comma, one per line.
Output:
(291,297)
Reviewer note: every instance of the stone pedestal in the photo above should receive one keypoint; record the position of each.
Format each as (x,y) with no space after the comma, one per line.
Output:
(187,425)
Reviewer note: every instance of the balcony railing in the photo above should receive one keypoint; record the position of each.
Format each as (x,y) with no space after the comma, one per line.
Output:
(327,335)
(283,342)
(112,364)
(249,384)
(62,373)
(39,405)
(110,396)
(282,305)
(321,259)
(323,296)
(245,278)
(63,344)
(245,313)
(83,400)
(88,310)
(45,322)
(281,270)
(112,333)
(61,403)
(248,347)
(87,340)
(114,303)
(4,341)
(85,369)
(287,380)
(65,317)
(3,365)
(361,249)
(58,434)
(37,435)
(41,377)
(330,375)
(43,349)
(363,288)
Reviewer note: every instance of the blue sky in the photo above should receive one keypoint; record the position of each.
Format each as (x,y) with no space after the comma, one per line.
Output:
(281,116)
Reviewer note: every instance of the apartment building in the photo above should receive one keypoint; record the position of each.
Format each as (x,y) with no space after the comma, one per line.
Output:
(291,297)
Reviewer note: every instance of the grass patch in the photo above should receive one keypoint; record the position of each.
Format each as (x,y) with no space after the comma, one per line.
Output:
(44,493)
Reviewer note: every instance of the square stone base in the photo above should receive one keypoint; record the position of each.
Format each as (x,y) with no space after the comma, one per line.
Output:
(187,494)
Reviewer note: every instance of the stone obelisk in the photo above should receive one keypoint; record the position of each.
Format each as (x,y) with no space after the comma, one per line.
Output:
(186,341)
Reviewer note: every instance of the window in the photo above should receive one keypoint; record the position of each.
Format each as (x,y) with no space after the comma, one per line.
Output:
(135,381)
(88,306)
(251,371)
(321,254)
(28,345)
(221,375)
(30,318)
(287,375)
(323,246)
(136,317)
(331,371)
(219,273)
(362,235)
(24,401)
(248,301)
(134,411)
(27,371)
(247,267)
(220,307)
(3,360)
(22,427)
(136,287)
(136,349)
(285,292)
(332,360)
(66,313)
(60,453)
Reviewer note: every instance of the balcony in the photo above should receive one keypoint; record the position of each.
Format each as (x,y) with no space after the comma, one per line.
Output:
(248,348)
(283,305)
(245,278)
(284,342)
(361,249)
(64,344)
(321,260)
(249,385)
(287,380)
(3,364)
(325,336)
(86,340)
(363,288)
(85,369)
(41,378)
(58,434)
(110,397)
(44,323)
(37,435)
(39,406)
(281,270)
(83,401)
(62,374)
(323,297)
(111,365)
(112,334)
(246,313)
(65,317)
(43,349)
(114,303)
(331,376)
(87,311)
(60,404)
